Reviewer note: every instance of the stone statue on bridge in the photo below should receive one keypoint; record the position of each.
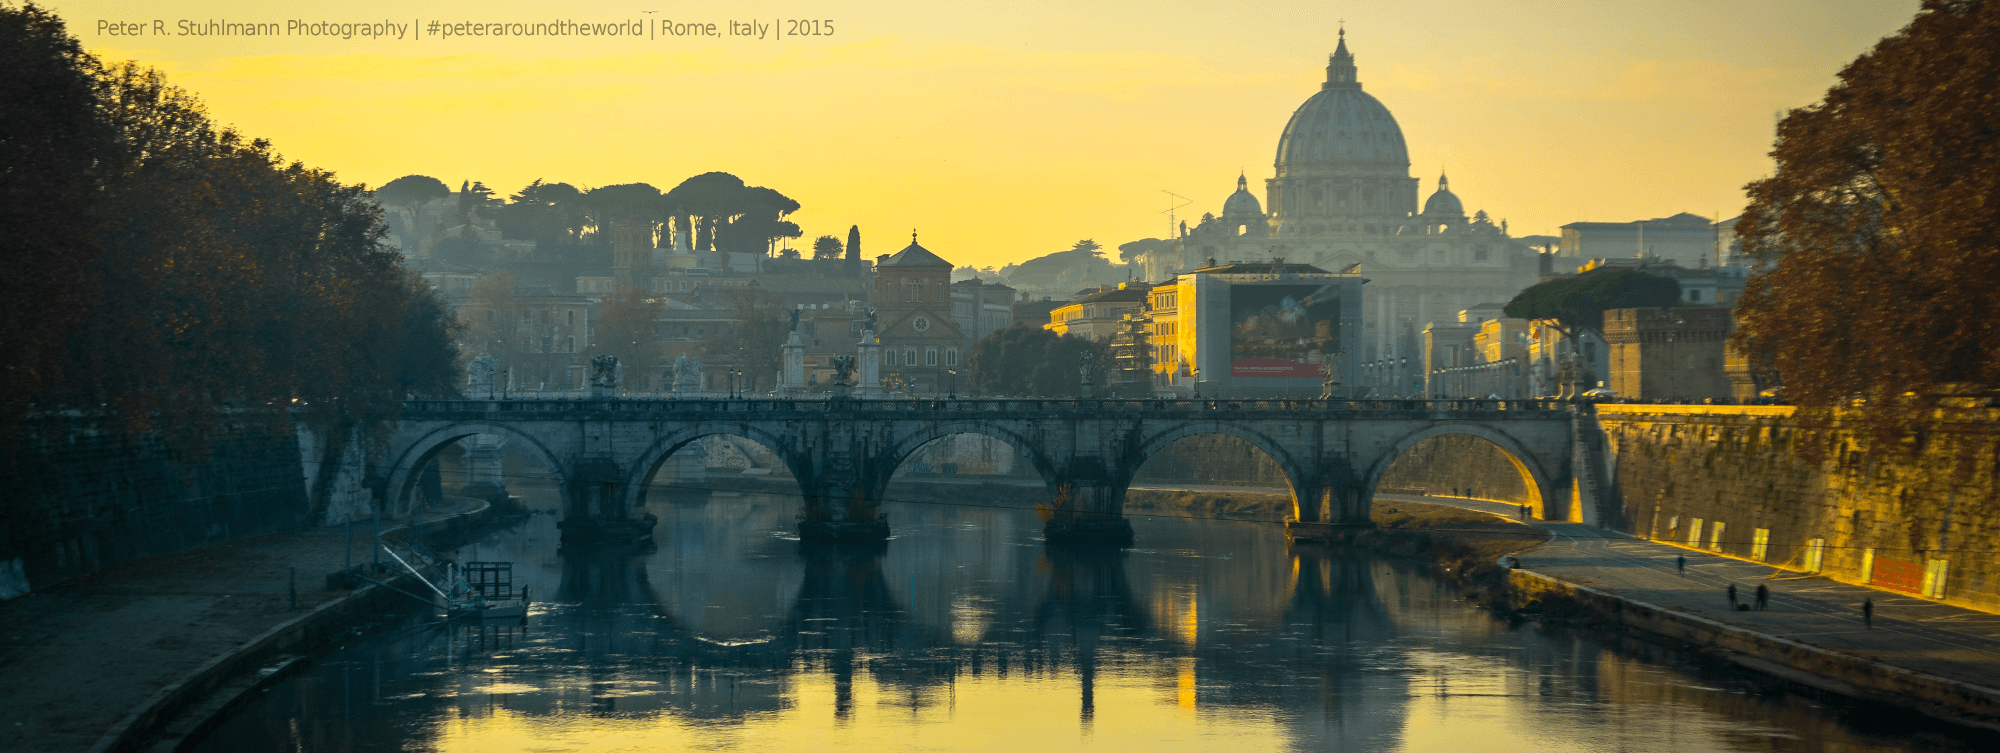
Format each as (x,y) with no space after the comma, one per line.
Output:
(1330,382)
(480,373)
(1083,371)
(687,376)
(605,375)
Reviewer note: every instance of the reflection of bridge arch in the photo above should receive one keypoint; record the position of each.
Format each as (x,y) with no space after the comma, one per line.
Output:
(664,447)
(1295,471)
(1541,489)
(410,463)
(907,444)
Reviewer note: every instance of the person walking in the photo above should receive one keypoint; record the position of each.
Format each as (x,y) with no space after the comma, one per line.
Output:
(1681,564)
(1732,597)
(1868,612)
(1763,596)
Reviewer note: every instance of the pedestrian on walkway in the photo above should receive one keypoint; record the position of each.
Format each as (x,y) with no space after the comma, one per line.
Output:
(1732,597)
(1763,596)
(1524,512)
(1868,612)
(1681,564)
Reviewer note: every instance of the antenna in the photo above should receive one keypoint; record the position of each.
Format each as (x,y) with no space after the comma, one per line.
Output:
(1173,226)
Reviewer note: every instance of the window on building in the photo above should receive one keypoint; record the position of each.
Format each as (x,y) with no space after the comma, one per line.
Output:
(572,318)
(527,317)
(930,357)
(951,356)
(571,346)
(1694,296)
(910,357)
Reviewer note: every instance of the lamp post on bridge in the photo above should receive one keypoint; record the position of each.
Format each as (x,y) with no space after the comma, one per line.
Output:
(952,388)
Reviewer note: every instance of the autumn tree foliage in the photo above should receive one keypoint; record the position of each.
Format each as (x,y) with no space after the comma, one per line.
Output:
(168,271)
(1878,237)
(629,329)
(1027,361)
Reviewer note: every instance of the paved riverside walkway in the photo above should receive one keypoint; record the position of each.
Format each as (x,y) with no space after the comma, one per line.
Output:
(1910,633)
(77,657)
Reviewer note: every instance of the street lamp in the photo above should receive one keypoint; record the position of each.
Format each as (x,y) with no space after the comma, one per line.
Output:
(732,383)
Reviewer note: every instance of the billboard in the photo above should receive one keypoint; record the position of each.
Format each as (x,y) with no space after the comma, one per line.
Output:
(1282,331)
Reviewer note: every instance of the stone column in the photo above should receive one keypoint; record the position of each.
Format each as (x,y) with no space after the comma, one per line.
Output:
(869,384)
(794,373)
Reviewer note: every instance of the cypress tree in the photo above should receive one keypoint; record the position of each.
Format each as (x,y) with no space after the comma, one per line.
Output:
(854,246)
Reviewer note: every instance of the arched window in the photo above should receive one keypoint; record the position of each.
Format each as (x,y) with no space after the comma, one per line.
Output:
(930,356)
(910,357)
(572,343)
(951,357)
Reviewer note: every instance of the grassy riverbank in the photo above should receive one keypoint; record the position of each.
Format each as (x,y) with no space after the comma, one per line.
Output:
(1462,545)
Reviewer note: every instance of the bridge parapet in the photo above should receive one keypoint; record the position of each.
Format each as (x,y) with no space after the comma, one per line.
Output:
(634,408)
(844,453)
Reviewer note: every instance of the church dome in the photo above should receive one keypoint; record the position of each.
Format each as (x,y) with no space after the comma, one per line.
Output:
(1242,202)
(1342,129)
(1444,203)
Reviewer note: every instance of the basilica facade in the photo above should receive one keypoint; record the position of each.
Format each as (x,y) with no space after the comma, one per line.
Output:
(1341,198)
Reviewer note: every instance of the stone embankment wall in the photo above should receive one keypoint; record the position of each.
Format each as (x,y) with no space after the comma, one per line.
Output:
(1211,460)
(81,499)
(1727,479)
(1455,465)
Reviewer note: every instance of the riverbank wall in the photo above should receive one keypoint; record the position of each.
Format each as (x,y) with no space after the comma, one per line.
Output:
(1788,663)
(186,708)
(82,497)
(1728,479)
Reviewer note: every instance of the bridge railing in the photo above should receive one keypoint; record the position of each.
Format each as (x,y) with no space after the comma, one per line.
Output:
(542,405)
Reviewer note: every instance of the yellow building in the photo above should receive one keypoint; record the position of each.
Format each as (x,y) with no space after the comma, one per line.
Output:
(1173,344)
(1095,316)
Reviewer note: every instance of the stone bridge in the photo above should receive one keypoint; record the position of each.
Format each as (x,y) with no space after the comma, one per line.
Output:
(843,452)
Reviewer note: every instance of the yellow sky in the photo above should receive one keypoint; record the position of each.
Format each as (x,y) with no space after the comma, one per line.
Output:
(1007,132)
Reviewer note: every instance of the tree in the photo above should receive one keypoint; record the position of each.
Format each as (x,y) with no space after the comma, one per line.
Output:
(221,281)
(1130,252)
(412,192)
(854,246)
(826,248)
(629,329)
(709,196)
(1876,238)
(1027,361)
(760,330)
(492,319)
(1575,305)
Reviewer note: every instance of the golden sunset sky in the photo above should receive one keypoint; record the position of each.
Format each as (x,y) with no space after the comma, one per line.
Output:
(1013,130)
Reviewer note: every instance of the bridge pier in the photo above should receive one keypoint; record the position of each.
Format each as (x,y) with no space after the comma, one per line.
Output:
(1328,500)
(841,504)
(594,506)
(1089,507)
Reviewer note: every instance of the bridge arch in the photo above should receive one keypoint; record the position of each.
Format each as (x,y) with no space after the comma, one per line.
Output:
(1535,477)
(907,444)
(666,445)
(1294,470)
(409,463)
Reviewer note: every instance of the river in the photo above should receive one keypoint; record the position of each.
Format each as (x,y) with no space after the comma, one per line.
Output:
(967,632)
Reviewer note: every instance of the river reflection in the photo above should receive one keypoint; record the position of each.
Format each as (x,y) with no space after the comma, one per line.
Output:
(966,632)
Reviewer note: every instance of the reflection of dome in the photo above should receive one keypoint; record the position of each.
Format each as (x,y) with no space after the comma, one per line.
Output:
(1444,203)
(1242,202)
(1342,128)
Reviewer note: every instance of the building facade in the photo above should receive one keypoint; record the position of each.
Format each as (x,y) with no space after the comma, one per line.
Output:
(1669,354)
(1097,316)
(922,350)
